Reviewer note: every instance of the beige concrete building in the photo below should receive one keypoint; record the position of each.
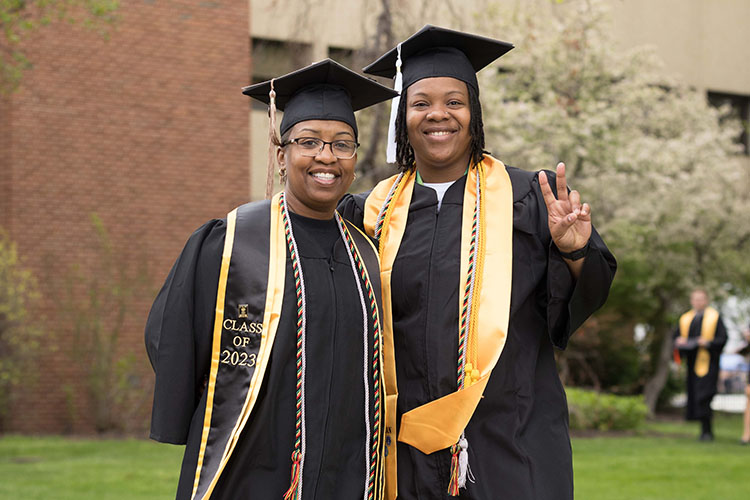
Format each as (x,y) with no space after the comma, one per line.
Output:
(702,42)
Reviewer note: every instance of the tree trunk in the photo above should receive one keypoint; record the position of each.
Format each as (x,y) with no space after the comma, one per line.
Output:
(656,383)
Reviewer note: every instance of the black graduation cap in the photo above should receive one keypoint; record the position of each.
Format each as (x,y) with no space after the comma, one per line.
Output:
(434,51)
(325,90)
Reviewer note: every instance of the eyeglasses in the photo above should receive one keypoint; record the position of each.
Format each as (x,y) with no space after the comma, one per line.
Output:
(312,146)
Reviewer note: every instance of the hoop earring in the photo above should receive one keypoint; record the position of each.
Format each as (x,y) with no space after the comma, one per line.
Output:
(282,174)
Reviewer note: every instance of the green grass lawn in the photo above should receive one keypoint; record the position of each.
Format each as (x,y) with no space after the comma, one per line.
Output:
(36,468)
(664,462)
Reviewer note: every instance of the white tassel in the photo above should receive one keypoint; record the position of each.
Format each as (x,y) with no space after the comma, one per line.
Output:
(463,462)
(390,152)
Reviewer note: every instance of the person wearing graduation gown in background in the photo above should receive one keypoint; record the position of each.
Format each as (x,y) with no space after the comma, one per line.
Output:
(484,268)
(700,337)
(265,338)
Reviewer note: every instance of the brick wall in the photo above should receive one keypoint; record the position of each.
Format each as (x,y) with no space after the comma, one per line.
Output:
(5,172)
(148,129)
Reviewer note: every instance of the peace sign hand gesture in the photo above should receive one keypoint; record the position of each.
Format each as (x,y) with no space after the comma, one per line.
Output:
(569,221)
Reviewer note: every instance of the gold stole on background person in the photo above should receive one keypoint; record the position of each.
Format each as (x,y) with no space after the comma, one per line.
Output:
(438,424)
(708,331)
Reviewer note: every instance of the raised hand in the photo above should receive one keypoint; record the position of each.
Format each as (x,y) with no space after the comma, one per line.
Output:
(569,221)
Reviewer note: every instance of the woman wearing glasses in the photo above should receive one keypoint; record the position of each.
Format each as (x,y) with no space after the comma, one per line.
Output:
(265,338)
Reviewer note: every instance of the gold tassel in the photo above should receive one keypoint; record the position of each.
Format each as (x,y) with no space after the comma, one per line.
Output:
(273,142)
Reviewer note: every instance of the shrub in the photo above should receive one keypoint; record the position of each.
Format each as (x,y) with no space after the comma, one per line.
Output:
(591,410)
(19,333)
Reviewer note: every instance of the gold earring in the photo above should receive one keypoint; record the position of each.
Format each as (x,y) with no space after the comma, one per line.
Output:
(282,174)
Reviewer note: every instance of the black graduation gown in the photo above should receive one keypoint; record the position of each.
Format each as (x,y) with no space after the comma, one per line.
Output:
(701,390)
(519,447)
(178,340)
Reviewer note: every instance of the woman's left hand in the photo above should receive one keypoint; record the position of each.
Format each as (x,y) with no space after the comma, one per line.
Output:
(569,221)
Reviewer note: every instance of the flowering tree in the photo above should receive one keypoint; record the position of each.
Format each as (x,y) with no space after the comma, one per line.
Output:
(658,165)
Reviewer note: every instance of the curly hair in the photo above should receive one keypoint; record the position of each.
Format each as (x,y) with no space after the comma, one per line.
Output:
(404,151)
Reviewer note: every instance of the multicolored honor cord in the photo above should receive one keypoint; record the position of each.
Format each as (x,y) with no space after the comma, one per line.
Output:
(372,486)
(468,369)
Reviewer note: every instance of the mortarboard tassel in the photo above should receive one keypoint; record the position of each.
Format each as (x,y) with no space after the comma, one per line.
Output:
(273,141)
(390,152)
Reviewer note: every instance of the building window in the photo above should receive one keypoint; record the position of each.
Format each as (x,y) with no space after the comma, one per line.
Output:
(272,58)
(342,56)
(740,105)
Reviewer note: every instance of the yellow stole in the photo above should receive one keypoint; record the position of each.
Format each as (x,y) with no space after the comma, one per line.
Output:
(438,424)
(708,330)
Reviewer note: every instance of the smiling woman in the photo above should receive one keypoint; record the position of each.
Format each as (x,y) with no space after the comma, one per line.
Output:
(487,268)
(318,176)
(438,120)
(265,338)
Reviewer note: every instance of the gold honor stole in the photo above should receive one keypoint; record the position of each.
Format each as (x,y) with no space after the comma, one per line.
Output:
(708,330)
(248,308)
(438,424)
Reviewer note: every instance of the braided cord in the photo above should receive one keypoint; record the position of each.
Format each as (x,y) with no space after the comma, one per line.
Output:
(468,373)
(298,455)
(467,327)
(375,444)
(381,215)
(478,272)
(384,216)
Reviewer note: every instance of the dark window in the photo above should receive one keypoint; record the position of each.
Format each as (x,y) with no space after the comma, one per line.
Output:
(740,105)
(342,55)
(271,58)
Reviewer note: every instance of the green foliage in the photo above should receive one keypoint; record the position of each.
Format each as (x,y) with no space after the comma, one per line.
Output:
(674,385)
(604,412)
(19,18)
(605,357)
(658,165)
(19,333)
(98,300)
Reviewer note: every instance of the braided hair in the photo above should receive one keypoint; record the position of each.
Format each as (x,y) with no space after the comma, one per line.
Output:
(404,151)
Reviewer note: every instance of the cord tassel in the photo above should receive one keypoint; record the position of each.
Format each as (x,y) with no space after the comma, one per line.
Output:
(463,461)
(453,484)
(390,152)
(460,470)
(273,141)
(292,492)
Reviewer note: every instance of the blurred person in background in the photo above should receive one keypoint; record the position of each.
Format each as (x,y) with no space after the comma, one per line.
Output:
(700,337)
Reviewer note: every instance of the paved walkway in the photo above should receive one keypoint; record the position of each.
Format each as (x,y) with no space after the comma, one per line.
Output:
(730,403)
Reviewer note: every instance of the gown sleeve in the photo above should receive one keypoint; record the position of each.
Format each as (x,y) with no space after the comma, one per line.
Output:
(720,338)
(352,208)
(569,301)
(179,332)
